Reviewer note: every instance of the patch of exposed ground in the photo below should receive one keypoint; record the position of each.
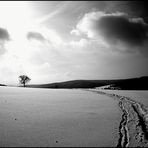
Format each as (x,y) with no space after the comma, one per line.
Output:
(133,127)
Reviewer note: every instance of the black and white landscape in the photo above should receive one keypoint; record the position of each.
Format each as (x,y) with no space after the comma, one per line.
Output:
(73,73)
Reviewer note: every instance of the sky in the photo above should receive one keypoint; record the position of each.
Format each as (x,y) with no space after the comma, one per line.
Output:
(54,41)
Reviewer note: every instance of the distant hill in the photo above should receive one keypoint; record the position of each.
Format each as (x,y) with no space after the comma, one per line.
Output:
(3,85)
(133,84)
(123,84)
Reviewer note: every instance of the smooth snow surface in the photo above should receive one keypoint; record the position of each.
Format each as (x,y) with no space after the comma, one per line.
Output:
(57,117)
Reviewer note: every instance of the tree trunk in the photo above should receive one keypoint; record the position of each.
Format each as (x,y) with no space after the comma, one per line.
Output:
(24,85)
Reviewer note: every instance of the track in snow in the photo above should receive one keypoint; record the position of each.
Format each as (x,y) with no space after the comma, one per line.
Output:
(133,128)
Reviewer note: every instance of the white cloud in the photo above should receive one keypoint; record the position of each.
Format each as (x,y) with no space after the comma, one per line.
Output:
(116,31)
(79,44)
(86,23)
(75,32)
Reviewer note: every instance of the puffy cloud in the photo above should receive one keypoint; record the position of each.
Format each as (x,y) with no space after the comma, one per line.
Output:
(114,28)
(118,29)
(4,36)
(35,35)
(44,34)
(75,32)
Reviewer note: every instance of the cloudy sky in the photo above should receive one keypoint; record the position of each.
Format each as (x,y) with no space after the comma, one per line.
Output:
(52,41)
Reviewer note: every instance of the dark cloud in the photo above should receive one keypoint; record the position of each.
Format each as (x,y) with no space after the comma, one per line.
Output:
(121,28)
(35,35)
(138,8)
(133,8)
(4,35)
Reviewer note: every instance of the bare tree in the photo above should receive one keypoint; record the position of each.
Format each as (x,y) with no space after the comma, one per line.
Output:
(24,79)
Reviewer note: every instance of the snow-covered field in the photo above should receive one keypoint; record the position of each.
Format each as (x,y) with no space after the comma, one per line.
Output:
(49,117)
(133,127)
(73,117)
(140,96)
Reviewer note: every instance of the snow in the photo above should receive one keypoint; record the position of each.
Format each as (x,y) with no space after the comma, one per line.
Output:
(139,95)
(134,123)
(57,117)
